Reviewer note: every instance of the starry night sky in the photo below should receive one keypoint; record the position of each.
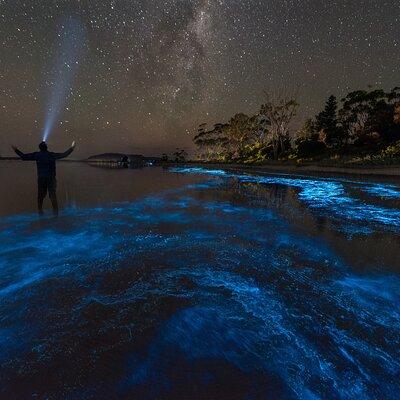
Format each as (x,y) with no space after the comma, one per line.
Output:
(153,70)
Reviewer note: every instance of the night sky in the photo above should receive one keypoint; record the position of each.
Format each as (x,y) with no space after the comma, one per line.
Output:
(153,70)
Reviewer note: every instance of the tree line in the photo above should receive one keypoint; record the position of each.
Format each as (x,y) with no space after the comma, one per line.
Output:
(364,123)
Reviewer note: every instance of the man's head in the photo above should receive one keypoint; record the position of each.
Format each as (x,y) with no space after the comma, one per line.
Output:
(43,146)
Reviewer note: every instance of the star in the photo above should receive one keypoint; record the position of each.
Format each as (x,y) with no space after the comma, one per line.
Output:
(161,68)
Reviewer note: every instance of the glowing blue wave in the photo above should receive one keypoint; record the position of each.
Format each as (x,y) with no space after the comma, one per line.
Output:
(328,195)
(382,190)
(255,305)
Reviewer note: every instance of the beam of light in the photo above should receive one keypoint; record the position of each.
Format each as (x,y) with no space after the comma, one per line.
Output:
(70,49)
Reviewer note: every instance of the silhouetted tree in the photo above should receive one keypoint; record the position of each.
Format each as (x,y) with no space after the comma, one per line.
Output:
(396,117)
(279,112)
(308,131)
(212,142)
(180,155)
(368,114)
(239,133)
(308,143)
(327,124)
(164,157)
(370,119)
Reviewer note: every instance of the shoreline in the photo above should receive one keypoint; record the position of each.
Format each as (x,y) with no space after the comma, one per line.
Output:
(391,171)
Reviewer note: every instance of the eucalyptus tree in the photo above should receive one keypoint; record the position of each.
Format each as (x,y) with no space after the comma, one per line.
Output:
(279,112)
(212,142)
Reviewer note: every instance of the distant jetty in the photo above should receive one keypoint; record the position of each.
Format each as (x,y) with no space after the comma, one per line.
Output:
(132,160)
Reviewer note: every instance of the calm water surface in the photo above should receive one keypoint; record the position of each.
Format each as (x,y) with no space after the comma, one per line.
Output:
(199,284)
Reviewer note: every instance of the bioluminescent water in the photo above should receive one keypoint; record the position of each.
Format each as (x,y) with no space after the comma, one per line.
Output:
(71,40)
(203,284)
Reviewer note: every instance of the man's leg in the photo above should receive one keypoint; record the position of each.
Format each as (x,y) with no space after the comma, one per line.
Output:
(42,192)
(53,195)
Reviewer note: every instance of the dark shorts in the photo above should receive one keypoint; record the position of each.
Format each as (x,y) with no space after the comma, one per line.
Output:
(46,184)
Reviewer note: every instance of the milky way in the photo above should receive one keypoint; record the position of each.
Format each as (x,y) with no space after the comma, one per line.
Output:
(154,70)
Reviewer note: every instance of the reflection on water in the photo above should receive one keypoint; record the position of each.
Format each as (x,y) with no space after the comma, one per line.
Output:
(81,185)
(203,285)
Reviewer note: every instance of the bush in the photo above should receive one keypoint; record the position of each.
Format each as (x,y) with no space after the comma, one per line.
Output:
(257,153)
(392,151)
(310,148)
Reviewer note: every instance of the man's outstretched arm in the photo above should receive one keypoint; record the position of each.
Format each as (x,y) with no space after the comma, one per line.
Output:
(23,156)
(66,153)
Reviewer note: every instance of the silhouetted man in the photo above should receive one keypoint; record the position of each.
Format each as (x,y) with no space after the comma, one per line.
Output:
(46,172)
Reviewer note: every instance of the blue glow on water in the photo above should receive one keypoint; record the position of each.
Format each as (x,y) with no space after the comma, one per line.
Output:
(326,194)
(71,48)
(383,190)
(188,286)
